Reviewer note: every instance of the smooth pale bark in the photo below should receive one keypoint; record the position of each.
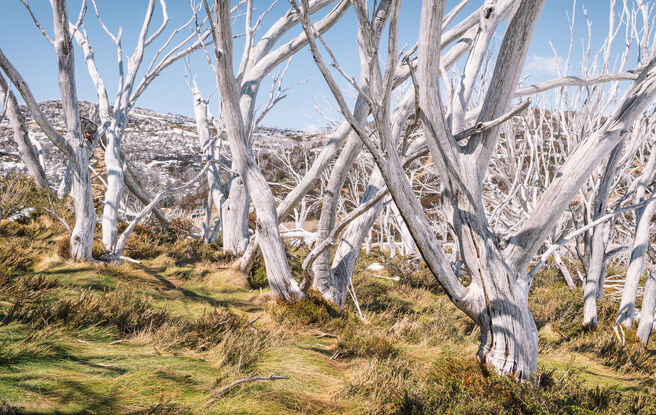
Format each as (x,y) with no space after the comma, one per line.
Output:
(215,193)
(639,247)
(65,183)
(275,260)
(351,242)
(323,160)
(368,39)
(127,95)
(332,193)
(596,268)
(85,215)
(578,167)
(21,136)
(563,270)
(348,248)
(498,294)
(258,60)
(234,214)
(407,243)
(646,324)
(465,29)
(73,145)
(114,191)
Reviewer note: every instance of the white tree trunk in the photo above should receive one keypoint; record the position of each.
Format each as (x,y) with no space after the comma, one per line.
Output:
(280,281)
(646,324)
(115,184)
(85,214)
(73,143)
(593,287)
(21,136)
(215,193)
(234,214)
(351,241)
(639,248)
(65,183)
(323,280)
(563,270)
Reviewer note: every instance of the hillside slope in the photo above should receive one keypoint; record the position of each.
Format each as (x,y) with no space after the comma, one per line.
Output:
(164,336)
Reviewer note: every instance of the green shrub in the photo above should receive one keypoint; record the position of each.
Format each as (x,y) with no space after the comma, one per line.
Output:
(358,340)
(257,276)
(312,311)
(456,385)
(374,295)
(19,192)
(14,259)
(143,243)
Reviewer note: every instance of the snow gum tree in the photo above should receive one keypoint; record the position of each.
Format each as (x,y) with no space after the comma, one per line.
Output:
(497,297)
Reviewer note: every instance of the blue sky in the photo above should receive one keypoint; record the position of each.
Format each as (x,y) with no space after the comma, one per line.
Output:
(33,56)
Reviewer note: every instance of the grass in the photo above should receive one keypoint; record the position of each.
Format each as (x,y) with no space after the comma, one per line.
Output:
(162,336)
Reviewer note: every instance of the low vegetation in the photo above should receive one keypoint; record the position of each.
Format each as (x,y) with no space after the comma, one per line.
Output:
(161,337)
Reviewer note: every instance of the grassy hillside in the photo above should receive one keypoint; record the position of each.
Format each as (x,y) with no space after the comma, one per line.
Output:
(162,337)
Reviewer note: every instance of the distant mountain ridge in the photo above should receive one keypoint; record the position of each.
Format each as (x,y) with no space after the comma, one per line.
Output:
(162,148)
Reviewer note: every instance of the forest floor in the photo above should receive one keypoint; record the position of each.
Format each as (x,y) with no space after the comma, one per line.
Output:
(162,337)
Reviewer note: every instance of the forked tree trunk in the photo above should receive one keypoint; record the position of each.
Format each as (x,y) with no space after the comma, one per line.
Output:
(323,279)
(275,260)
(646,324)
(215,193)
(73,143)
(350,243)
(234,215)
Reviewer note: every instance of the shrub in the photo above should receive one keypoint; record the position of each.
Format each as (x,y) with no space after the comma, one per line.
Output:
(14,259)
(453,384)
(312,311)
(143,243)
(18,192)
(181,226)
(414,274)
(374,295)
(358,340)
(257,276)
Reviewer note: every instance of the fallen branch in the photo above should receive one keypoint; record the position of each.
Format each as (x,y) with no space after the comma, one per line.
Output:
(226,388)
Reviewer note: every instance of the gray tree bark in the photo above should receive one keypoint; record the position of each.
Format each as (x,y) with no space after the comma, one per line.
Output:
(646,324)
(596,269)
(639,246)
(234,214)
(21,136)
(278,274)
